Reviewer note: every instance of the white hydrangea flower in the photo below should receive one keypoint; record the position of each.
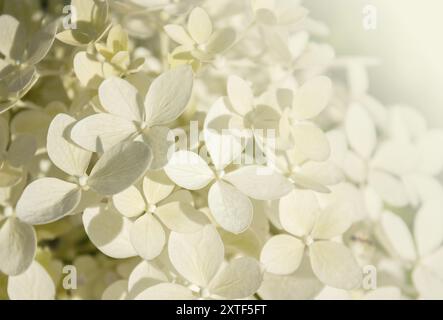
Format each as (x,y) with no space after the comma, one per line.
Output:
(198,42)
(49,199)
(127,118)
(20,53)
(198,257)
(311,228)
(421,250)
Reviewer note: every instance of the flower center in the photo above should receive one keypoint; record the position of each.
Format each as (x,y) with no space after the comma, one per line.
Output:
(152,208)
(8,211)
(308,240)
(83,181)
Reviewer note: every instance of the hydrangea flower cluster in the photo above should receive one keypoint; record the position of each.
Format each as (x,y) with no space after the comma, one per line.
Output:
(159,149)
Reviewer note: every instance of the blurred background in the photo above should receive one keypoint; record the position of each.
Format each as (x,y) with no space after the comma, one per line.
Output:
(408,40)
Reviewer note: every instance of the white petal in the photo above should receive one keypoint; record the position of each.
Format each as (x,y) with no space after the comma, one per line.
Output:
(298,212)
(116,291)
(312,97)
(147,236)
(311,141)
(168,95)
(102,131)
(120,167)
(62,152)
(334,265)
(223,145)
(396,236)
(360,130)
(161,143)
(144,275)
(46,200)
(157,186)
(230,208)
(240,94)
(17,246)
(220,40)
(389,188)
(282,254)
(181,217)
(178,34)
(332,221)
(41,43)
(34,284)
(428,276)
(325,173)
(166,291)
(428,227)
(120,98)
(109,231)
(129,202)
(258,182)
(88,70)
(197,256)
(396,157)
(188,170)
(241,278)
(199,25)
(355,168)
(302,284)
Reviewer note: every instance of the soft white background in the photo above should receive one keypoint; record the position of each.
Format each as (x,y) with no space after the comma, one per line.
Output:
(408,40)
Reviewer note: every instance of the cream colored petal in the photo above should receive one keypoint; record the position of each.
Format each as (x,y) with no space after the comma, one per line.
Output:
(389,188)
(259,182)
(120,98)
(231,209)
(46,200)
(335,265)
(240,94)
(34,284)
(428,231)
(120,167)
(116,291)
(157,186)
(188,170)
(147,236)
(197,256)
(88,71)
(298,212)
(241,278)
(311,141)
(199,25)
(312,97)
(169,95)
(100,132)
(223,145)
(282,254)
(332,221)
(181,217)
(160,140)
(396,237)
(67,156)
(109,231)
(18,243)
(178,34)
(129,202)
